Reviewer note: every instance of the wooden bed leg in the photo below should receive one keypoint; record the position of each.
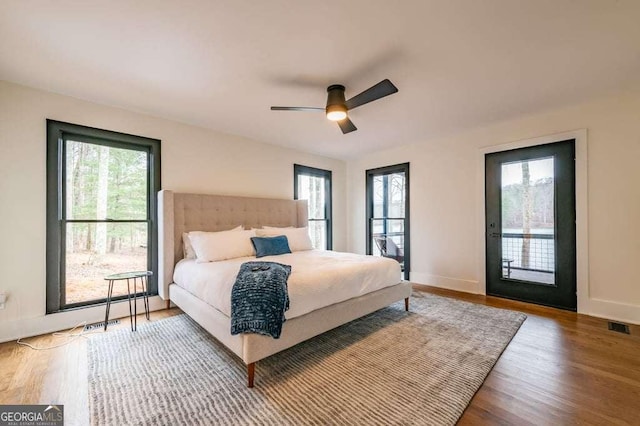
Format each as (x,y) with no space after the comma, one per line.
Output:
(406,304)
(251,371)
(168,303)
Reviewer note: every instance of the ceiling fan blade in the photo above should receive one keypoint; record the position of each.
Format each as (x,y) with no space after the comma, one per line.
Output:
(347,125)
(281,108)
(380,90)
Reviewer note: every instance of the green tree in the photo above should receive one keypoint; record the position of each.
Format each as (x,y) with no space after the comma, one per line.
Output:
(526,213)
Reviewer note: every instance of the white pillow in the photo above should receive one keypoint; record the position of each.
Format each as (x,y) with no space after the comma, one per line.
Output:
(187,248)
(299,239)
(214,246)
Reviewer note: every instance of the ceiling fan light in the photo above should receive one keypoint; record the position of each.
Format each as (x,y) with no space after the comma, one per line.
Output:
(336,111)
(336,115)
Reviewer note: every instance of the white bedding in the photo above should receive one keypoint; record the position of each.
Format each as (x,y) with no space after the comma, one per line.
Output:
(318,278)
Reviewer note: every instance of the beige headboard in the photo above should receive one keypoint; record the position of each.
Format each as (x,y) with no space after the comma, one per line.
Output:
(178,213)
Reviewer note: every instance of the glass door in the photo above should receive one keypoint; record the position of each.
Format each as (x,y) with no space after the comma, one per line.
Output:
(388,214)
(530,211)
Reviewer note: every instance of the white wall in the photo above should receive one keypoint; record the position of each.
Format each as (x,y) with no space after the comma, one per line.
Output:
(445,208)
(193,160)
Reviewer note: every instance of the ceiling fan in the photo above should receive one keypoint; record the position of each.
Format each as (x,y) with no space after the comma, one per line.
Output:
(337,108)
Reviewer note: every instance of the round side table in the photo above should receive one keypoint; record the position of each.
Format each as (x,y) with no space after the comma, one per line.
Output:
(143,277)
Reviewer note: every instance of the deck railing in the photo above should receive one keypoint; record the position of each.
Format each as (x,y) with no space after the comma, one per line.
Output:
(541,255)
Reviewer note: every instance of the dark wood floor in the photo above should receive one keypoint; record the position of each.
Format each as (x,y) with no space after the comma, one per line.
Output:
(561,368)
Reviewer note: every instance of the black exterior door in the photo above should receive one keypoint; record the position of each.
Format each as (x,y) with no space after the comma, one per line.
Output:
(530,224)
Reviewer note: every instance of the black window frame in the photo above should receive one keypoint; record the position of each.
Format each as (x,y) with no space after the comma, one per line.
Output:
(300,170)
(57,133)
(369,174)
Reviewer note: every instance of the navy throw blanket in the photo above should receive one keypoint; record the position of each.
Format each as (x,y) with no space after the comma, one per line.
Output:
(259,298)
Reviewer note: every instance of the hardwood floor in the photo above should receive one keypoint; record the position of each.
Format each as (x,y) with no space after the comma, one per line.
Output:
(560,368)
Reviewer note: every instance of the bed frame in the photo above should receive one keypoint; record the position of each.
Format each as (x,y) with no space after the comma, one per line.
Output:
(179,213)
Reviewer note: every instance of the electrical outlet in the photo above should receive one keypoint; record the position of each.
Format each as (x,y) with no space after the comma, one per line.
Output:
(3,300)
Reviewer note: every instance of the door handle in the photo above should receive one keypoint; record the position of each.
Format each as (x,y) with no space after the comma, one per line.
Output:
(495,235)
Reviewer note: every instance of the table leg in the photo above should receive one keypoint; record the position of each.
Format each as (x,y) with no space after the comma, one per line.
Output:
(129,299)
(135,304)
(109,294)
(145,295)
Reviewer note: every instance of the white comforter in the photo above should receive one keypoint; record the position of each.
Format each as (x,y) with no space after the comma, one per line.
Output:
(318,278)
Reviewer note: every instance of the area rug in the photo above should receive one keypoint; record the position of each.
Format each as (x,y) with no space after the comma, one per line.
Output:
(391,367)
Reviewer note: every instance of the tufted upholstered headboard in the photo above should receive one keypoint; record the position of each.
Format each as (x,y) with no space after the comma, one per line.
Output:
(178,213)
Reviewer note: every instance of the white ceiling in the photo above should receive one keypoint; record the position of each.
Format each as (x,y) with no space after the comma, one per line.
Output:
(221,64)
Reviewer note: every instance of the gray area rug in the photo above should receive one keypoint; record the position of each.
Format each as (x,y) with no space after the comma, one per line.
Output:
(391,367)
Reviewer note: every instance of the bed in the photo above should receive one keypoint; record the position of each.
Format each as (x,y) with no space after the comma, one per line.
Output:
(356,286)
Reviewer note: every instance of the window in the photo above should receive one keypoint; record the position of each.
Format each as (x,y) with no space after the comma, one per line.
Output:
(101,211)
(314,185)
(388,214)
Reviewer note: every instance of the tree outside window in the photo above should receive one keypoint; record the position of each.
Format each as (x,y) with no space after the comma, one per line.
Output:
(314,185)
(101,207)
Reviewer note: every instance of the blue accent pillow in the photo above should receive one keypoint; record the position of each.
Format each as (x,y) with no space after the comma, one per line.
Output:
(270,246)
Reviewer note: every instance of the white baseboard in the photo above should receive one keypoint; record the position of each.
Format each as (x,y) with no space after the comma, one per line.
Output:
(599,308)
(467,286)
(608,309)
(27,327)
